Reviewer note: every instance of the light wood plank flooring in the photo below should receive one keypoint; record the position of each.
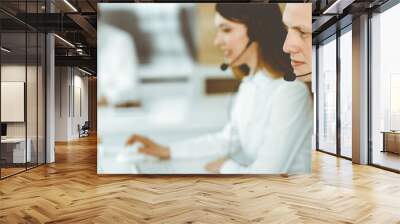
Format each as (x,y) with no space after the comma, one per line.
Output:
(70,191)
(387,159)
(10,171)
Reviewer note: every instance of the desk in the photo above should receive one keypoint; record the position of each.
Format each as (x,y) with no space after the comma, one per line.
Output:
(109,162)
(18,149)
(172,113)
(391,141)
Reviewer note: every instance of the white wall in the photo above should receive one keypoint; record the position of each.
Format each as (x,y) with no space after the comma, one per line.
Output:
(61,103)
(79,117)
(33,126)
(68,83)
(12,73)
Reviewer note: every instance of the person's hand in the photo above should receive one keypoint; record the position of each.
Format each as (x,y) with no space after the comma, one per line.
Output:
(149,147)
(215,166)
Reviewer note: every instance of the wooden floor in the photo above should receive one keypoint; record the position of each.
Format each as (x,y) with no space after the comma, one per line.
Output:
(5,172)
(387,159)
(10,171)
(70,191)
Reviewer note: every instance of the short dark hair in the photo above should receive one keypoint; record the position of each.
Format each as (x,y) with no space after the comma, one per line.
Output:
(264,26)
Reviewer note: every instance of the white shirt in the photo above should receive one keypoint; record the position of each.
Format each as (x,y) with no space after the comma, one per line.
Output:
(269,131)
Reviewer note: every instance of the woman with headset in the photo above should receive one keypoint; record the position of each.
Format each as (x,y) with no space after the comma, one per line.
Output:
(269,130)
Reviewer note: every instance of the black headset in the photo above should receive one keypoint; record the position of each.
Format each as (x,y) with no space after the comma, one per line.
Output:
(245,68)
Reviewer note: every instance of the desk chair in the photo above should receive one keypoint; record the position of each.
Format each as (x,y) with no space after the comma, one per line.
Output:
(84,130)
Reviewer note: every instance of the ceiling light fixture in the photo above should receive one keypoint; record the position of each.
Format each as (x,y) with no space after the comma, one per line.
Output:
(70,5)
(64,40)
(5,50)
(337,7)
(84,71)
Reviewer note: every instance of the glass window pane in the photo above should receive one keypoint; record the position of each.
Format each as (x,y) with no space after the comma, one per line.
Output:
(14,153)
(31,97)
(346,94)
(327,97)
(22,90)
(385,89)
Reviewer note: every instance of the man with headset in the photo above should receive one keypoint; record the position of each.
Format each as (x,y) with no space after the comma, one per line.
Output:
(297,19)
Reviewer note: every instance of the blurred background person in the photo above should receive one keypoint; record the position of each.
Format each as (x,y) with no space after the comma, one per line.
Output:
(118,68)
(269,130)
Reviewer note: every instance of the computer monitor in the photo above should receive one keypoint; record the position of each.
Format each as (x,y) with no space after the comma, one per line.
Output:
(3,129)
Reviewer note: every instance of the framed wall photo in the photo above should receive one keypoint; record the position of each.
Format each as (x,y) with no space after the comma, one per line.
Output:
(12,101)
(216,84)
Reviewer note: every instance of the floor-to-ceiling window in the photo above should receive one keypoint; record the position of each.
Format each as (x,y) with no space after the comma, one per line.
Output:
(327,95)
(385,89)
(314,90)
(334,93)
(22,77)
(345,60)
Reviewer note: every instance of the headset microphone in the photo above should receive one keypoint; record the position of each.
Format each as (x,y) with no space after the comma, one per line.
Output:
(290,77)
(225,66)
(244,68)
(304,74)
